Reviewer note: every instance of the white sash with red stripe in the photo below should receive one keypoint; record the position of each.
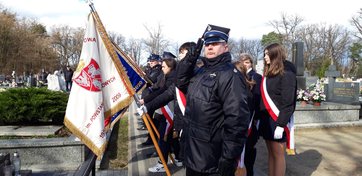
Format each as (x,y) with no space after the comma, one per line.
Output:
(274,113)
(166,111)
(181,100)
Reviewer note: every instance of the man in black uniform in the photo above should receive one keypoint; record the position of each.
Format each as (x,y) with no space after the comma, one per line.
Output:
(217,113)
(153,73)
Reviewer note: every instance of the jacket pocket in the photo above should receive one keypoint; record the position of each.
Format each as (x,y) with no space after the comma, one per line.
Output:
(200,133)
(205,90)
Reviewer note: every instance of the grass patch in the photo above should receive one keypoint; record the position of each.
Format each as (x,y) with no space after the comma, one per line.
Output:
(118,145)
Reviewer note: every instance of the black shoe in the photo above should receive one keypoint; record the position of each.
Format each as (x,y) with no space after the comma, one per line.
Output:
(154,154)
(147,143)
(142,128)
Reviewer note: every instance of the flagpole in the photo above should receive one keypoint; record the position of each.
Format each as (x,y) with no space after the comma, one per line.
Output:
(144,117)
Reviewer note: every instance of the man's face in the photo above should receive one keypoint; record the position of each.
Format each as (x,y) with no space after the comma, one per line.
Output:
(247,64)
(153,63)
(213,50)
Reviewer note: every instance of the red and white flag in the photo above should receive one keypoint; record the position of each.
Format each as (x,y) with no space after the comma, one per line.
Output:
(99,90)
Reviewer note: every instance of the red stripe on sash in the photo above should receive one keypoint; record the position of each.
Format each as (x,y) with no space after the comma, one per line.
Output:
(265,95)
(169,118)
(181,100)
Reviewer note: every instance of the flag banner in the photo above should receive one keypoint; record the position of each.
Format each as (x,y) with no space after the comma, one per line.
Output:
(99,89)
(274,113)
(134,75)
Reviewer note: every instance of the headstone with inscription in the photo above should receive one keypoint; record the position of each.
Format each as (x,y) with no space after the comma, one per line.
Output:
(340,92)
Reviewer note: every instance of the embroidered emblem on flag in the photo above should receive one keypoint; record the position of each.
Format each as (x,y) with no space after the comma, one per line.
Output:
(90,77)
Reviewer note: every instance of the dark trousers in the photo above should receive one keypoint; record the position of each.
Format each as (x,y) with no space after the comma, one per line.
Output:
(156,121)
(169,143)
(68,85)
(250,151)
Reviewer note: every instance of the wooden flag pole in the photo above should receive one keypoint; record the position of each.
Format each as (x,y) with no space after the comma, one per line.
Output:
(158,150)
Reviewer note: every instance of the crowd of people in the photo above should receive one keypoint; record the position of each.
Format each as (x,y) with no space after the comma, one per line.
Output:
(57,81)
(228,106)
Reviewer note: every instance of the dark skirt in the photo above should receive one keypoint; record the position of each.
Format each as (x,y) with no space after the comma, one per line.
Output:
(267,127)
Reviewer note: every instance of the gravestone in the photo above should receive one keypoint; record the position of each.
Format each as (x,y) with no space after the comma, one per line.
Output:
(309,80)
(340,92)
(298,60)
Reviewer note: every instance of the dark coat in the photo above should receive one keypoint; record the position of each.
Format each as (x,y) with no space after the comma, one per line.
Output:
(68,74)
(163,85)
(282,89)
(253,75)
(153,73)
(217,114)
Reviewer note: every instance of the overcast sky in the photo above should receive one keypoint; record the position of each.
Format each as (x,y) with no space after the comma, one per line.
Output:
(185,20)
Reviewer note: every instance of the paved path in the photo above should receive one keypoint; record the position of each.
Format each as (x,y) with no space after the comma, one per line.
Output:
(321,151)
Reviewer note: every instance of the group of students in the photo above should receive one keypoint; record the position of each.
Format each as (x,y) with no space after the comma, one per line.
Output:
(228,106)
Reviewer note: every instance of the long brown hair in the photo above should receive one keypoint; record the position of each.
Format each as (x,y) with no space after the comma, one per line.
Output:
(277,56)
(239,65)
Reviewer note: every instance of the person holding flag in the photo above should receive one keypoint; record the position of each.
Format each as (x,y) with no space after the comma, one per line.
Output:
(278,92)
(173,93)
(217,114)
(166,120)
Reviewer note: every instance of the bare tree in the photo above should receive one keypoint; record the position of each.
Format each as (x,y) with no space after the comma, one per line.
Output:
(118,39)
(357,23)
(324,43)
(135,49)
(287,28)
(67,43)
(156,43)
(252,47)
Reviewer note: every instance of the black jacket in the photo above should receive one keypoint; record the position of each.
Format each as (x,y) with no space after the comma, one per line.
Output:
(256,92)
(150,99)
(68,74)
(153,73)
(217,114)
(282,89)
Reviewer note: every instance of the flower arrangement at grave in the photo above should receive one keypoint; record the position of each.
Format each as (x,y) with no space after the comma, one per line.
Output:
(317,93)
(303,95)
(314,93)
